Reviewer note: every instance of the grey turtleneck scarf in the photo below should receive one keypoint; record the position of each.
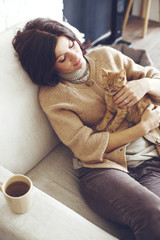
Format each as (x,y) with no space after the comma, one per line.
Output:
(78,76)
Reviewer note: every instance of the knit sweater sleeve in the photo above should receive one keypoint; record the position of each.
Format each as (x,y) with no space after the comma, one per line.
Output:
(118,60)
(134,71)
(85,144)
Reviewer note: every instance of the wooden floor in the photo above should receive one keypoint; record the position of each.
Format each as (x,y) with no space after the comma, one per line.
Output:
(150,43)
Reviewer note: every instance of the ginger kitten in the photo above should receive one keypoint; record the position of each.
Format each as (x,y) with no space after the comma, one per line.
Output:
(112,82)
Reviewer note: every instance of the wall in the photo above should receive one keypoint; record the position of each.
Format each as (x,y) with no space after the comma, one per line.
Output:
(154,10)
(13,12)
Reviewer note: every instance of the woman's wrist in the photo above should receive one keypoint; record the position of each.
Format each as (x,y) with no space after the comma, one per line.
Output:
(146,84)
(142,128)
(149,85)
(152,86)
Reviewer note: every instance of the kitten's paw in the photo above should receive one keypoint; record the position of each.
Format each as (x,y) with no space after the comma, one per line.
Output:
(110,129)
(100,127)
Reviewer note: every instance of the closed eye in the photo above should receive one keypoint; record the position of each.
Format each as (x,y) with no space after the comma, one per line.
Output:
(71,44)
(62,60)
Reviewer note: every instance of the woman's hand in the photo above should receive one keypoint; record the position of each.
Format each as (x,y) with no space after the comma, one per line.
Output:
(150,118)
(131,93)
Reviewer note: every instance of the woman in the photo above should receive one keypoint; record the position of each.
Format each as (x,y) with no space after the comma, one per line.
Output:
(119,172)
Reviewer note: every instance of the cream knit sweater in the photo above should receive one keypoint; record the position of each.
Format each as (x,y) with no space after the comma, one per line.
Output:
(75,109)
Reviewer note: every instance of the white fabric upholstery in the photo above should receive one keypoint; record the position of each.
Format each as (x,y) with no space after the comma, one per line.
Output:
(48,219)
(26,136)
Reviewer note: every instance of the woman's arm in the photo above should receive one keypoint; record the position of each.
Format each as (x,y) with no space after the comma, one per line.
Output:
(150,120)
(154,88)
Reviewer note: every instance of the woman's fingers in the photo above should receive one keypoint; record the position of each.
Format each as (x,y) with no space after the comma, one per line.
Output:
(130,94)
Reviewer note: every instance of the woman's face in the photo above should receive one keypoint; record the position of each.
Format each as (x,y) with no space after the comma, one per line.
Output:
(69,57)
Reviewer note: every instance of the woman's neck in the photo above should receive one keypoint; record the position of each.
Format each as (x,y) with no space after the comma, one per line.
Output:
(78,76)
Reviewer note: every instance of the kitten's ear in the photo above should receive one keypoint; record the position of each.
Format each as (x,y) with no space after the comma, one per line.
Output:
(122,75)
(123,72)
(104,71)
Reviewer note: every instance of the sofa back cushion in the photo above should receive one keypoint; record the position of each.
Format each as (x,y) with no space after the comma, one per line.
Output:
(26,136)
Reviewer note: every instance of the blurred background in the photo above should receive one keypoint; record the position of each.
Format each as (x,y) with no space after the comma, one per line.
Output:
(101,21)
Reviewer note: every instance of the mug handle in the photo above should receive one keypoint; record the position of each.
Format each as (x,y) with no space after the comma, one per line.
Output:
(1,184)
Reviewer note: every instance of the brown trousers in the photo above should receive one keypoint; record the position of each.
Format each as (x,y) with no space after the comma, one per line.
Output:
(130,199)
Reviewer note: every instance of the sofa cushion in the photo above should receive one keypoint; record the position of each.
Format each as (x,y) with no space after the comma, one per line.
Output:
(56,177)
(48,219)
(26,135)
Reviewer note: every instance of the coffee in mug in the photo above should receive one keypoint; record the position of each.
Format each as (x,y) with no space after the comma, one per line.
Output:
(18,193)
(17,189)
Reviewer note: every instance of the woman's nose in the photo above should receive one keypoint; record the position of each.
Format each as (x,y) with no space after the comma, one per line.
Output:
(73,56)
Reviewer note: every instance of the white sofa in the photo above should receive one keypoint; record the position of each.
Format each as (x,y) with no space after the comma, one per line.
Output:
(28,145)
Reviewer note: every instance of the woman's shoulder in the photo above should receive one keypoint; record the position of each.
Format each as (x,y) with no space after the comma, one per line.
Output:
(45,91)
(100,48)
(102,51)
(51,94)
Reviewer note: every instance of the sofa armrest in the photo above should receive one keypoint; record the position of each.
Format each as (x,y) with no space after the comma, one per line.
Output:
(48,219)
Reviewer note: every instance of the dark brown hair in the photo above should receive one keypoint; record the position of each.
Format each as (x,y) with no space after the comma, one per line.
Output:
(35,46)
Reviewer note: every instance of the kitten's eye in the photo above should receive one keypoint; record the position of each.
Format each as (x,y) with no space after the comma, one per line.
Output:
(103,77)
(120,79)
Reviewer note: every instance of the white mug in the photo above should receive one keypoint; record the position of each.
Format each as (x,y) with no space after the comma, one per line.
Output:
(18,193)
